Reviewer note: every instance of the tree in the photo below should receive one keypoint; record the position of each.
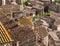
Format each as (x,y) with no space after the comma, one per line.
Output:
(25,2)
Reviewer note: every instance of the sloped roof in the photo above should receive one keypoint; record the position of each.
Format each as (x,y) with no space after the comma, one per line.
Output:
(18,33)
(56,16)
(45,0)
(26,21)
(22,34)
(9,8)
(28,10)
(41,31)
(4,36)
(37,5)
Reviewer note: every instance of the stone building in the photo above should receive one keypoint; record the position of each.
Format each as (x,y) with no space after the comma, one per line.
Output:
(4,2)
(22,36)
